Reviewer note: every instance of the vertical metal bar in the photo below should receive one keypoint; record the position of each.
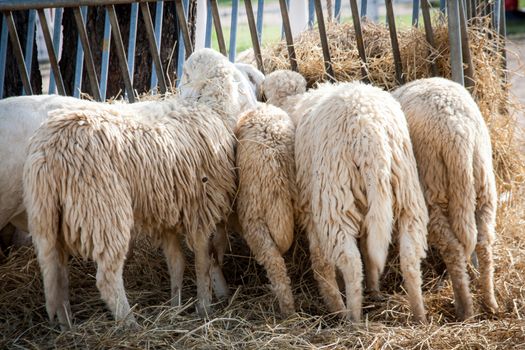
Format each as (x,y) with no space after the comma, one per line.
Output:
(132,39)
(119,48)
(429,34)
(497,15)
(148,26)
(503,36)
(51,52)
(337,10)
(359,39)
(3,54)
(106,46)
(492,13)
(158,35)
(88,56)
(415,13)
(17,50)
(57,33)
(311,13)
(288,34)
(454,37)
(207,39)
(469,9)
(465,48)
(364,5)
(282,25)
(233,29)
(79,66)
(260,13)
(218,26)
(182,13)
(393,38)
(30,38)
(255,39)
(324,41)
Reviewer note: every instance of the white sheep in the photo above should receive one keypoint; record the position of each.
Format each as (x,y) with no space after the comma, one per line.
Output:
(20,116)
(357,177)
(95,173)
(254,77)
(267,192)
(454,155)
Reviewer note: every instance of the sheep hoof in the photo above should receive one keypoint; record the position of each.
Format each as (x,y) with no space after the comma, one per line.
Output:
(376,296)
(491,307)
(287,310)
(463,315)
(64,327)
(204,310)
(129,324)
(420,319)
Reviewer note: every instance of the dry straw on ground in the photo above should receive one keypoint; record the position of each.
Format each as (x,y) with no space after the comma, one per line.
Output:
(251,319)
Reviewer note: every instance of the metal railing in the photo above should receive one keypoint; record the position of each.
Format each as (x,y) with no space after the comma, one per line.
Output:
(459,12)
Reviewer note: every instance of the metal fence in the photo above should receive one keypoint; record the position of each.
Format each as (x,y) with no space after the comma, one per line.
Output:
(458,14)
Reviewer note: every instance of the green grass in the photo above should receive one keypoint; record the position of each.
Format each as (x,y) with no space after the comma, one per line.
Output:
(270,34)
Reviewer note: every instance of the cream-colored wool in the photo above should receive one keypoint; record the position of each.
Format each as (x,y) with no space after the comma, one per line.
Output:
(210,78)
(267,192)
(92,175)
(357,177)
(20,116)
(454,155)
(166,169)
(254,77)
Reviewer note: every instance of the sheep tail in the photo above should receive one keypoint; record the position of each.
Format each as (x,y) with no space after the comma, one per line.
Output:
(41,199)
(378,220)
(462,194)
(280,222)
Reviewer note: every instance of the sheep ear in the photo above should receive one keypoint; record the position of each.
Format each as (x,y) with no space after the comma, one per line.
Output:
(188,92)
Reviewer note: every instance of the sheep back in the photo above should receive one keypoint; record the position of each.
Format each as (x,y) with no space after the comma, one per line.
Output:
(447,128)
(265,160)
(96,174)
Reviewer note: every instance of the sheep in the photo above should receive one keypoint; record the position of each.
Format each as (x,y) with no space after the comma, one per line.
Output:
(94,173)
(254,77)
(356,178)
(267,192)
(20,116)
(454,156)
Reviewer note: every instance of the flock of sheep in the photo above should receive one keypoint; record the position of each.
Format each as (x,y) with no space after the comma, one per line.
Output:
(353,166)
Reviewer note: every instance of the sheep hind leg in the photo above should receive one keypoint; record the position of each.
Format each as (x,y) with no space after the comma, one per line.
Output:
(267,254)
(485,224)
(350,265)
(453,255)
(176,263)
(324,274)
(203,271)
(411,252)
(371,272)
(219,244)
(111,287)
(53,261)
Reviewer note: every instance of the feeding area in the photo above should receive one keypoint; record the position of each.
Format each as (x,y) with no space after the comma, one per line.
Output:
(270,170)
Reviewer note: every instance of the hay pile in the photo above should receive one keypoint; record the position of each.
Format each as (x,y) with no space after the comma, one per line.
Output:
(249,320)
